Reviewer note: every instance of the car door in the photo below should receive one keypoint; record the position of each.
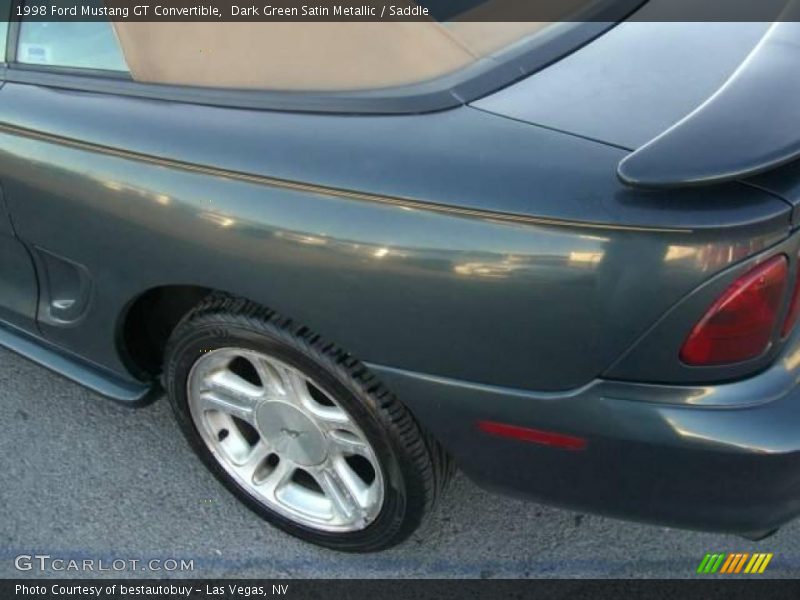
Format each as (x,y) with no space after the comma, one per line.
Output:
(41,289)
(18,287)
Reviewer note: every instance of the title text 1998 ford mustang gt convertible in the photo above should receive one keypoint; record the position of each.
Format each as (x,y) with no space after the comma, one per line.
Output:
(570,269)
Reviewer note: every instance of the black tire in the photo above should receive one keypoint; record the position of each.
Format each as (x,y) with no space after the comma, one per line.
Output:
(416,468)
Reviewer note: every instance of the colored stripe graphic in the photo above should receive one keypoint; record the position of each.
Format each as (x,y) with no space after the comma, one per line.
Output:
(757,558)
(734,563)
(740,564)
(704,563)
(715,567)
(765,563)
(759,563)
(726,567)
(711,563)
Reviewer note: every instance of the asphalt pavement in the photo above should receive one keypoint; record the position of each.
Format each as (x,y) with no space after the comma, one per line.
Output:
(86,479)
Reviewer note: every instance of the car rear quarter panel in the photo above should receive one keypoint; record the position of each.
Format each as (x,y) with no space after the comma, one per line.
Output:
(474,247)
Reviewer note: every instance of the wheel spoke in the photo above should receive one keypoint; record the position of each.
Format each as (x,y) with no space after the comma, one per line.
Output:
(348,442)
(330,417)
(356,486)
(341,489)
(294,387)
(254,460)
(227,392)
(295,390)
(279,476)
(270,375)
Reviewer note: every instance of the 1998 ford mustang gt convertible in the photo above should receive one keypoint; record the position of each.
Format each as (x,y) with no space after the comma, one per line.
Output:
(560,256)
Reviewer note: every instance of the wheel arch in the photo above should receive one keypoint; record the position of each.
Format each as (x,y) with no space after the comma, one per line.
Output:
(148,320)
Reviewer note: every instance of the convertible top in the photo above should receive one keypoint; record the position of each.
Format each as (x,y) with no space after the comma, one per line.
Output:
(328,56)
(749,126)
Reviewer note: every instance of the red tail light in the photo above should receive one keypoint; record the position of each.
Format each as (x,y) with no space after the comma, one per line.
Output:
(739,325)
(794,308)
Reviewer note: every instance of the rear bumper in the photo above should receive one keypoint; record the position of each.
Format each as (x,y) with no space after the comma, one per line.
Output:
(720,458)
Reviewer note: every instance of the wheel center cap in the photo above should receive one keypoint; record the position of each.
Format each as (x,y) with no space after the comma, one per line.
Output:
(291,433)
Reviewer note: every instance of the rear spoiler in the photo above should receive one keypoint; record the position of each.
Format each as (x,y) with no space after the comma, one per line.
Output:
(751,125)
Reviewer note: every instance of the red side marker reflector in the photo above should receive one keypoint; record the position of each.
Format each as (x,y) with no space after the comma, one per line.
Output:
(536,436)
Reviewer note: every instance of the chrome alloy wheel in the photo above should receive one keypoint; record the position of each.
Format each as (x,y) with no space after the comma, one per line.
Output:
(285,440)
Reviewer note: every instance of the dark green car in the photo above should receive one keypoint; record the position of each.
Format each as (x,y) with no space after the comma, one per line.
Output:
(560,256)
